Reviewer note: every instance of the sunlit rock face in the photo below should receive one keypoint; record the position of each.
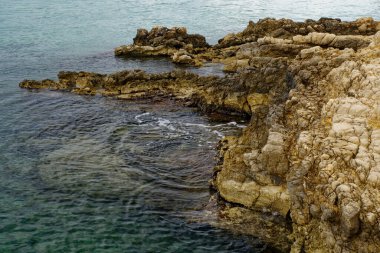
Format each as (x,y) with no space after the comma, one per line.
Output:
(162,41)
(317,155)
(267,37)
(311,151)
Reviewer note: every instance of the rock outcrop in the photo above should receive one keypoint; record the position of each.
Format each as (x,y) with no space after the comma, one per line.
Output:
(315,156)
(310,154)
(229,96)
(162,41)
(271,35)
(286,29)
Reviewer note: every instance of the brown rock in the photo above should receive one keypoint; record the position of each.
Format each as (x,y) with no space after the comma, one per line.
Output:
(311,151)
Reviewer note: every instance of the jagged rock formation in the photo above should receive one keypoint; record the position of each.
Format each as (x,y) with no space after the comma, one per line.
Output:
(287,28)
(317,154)
(230,96)
(282,34)
(311,152)
(162,41)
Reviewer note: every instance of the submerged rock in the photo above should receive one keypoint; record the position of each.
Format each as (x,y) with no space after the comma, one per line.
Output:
(311,152)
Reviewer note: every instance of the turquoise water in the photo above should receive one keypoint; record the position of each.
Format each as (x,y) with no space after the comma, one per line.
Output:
(92,174)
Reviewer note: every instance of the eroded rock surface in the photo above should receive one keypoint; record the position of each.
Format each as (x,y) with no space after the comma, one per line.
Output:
(311,152)
(273,36)
(162,41)
(286,29)
(316,155)
(230,95)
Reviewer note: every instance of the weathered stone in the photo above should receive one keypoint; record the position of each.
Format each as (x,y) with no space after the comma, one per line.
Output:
(332,40)
(183,57)
(311,151)
(163,42)
(286,29)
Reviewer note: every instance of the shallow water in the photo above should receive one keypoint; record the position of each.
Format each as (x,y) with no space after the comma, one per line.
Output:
(101,175)
(92,174)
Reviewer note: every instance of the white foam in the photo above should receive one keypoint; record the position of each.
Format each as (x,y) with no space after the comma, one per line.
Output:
(137,117)
(218,133)
(232,123)
(198,125)
(166,123)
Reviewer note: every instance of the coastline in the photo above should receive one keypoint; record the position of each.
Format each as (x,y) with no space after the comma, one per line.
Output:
(309,88)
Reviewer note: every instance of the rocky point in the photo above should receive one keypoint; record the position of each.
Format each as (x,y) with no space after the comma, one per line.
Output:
(310,155)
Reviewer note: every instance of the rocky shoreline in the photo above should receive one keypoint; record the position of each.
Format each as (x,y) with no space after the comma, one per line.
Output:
(311,152)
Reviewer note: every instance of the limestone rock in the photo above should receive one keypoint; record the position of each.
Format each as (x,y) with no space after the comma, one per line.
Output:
(162,41)
(332,40)
(311,151)
(183,57)
(286,29)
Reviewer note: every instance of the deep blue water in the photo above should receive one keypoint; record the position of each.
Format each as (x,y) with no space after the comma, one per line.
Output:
(92,174)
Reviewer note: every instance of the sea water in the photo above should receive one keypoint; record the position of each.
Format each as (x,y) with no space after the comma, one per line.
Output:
(93,174)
